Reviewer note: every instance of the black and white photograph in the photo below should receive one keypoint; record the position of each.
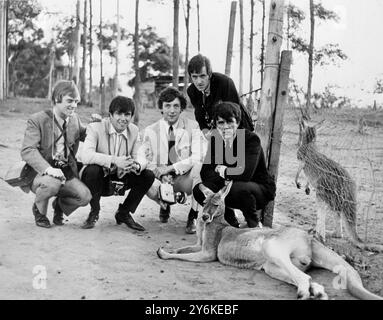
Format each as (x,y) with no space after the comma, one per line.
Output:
(209,152)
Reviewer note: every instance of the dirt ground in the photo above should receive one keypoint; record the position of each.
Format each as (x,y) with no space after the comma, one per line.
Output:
(114,262)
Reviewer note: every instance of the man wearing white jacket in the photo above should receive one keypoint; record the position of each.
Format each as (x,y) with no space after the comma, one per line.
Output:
(174,148)
(111,155)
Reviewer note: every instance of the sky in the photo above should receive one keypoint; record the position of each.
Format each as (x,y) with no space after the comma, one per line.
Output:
(358,33)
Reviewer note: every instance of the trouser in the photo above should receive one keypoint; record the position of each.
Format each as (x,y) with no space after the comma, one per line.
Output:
(93,177)
(181,183)
(71,195)
(245,196)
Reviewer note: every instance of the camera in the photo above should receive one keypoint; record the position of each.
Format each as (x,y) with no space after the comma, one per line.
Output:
(117,188)
(65,168)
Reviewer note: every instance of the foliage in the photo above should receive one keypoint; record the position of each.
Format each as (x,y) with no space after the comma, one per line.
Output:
(108,37)
(28,57)
(327,54)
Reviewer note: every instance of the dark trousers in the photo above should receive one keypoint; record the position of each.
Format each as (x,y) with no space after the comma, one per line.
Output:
(245,196)
(93,177)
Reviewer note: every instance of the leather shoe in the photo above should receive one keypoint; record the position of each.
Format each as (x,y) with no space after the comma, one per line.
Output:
(191,225)
(125,217)
(164,214)
(58,215)
(40,219)
(231,218)
(90,222)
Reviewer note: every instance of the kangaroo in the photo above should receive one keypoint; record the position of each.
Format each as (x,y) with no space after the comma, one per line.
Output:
(335,190)
(284,253)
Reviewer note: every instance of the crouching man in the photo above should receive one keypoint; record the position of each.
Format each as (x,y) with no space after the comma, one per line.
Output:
(110,153)
(174,147)
(50,143)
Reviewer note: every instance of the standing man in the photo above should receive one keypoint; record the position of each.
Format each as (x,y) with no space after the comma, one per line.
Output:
(207,89)
(110,153)
(50,143)
(174,148)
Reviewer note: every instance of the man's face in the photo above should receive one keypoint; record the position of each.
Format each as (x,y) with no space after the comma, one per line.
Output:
(67,106)
(171,111)
(120,121)
(201,79)
(227,129)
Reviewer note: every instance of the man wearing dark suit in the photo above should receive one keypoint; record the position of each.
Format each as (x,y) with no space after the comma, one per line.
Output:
(111,153)
(207,89)
(50,143)
(236,155)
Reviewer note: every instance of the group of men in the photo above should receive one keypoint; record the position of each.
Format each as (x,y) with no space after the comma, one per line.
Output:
(175,150)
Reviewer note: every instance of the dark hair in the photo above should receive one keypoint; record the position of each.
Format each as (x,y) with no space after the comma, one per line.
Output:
(62,88)
(196,64)
(121,104)
(169,94)
(227,110)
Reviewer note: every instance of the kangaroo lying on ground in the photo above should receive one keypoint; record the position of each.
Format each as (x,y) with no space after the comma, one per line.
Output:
(283,253)
(335,190)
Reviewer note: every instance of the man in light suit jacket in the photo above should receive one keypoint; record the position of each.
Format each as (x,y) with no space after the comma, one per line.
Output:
(174,147)
(110,153)
(50,143)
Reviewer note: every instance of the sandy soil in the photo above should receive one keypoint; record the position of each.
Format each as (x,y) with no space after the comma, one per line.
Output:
(114,262)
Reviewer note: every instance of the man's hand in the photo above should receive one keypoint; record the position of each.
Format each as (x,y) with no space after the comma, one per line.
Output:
(124,163)
(161,171)
(55,173)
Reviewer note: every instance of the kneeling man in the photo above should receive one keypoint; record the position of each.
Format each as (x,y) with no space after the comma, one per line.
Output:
(110,153)
(174,148)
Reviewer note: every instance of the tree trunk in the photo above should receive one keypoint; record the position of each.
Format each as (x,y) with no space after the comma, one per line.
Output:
(116,76)
(76,46)
(198,23)
(229,50)
(251,44)
(175,44)
(51,69)
(90,53)
(137,79)
(102,80)
(187,19)
(241,48)
(83,68)
(263,42)
(311,52)
(3,50)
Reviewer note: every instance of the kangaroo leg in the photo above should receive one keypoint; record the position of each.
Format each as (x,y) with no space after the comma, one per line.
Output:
(279,254)
(301,165)
(320,228)
(316,290)
(200,256)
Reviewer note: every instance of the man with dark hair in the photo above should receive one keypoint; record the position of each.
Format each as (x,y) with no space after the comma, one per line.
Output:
(209,88)
(237,155)
(174,147)
(50,143)
(112,159)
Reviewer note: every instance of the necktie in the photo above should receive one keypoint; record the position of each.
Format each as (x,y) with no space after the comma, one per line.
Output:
(172,156)
(65,140)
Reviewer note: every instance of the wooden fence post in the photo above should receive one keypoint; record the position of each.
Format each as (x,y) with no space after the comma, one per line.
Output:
(3,50)
(276,140)
(229,50)
(266,108)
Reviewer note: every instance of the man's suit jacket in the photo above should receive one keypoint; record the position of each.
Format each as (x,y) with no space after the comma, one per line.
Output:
(39,138)
(96,148)
(190,145)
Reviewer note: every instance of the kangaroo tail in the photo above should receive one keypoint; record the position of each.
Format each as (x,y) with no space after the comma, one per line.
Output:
(325,258)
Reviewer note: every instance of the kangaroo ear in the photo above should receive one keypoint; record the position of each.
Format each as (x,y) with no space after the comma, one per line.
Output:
(226,189)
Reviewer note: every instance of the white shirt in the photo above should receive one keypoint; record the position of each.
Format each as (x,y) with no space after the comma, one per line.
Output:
(59,146)
(116,139)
